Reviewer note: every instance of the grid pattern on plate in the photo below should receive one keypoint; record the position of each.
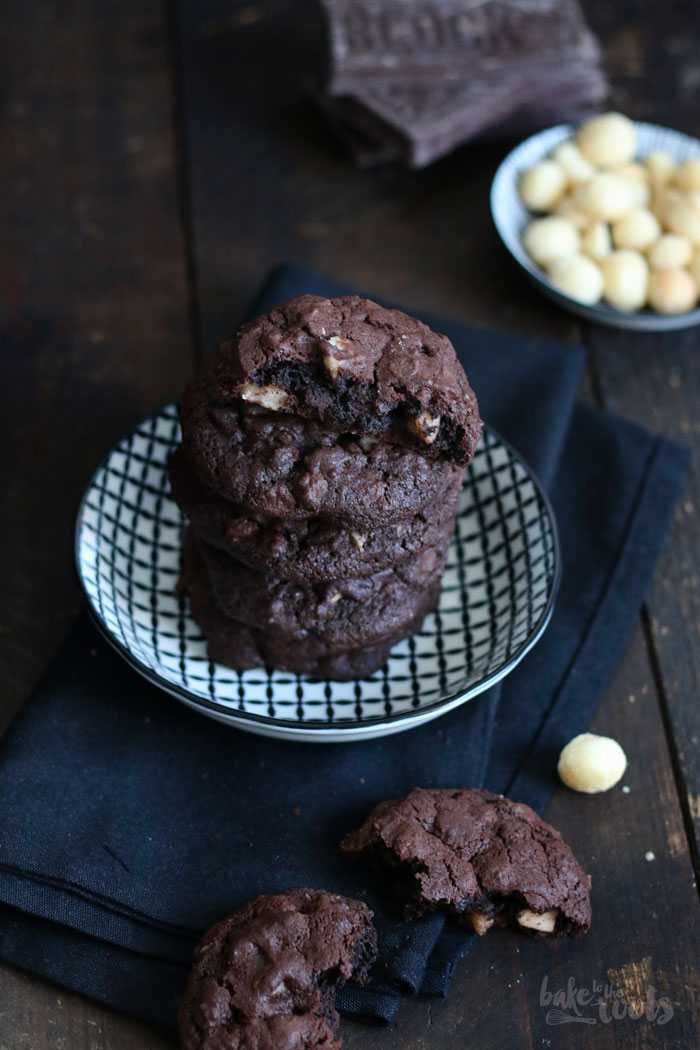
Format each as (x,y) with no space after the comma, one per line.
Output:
(496,589)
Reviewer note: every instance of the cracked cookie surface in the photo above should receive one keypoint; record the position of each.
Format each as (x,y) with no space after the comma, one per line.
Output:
(265,977)
(352,364)
(479,857)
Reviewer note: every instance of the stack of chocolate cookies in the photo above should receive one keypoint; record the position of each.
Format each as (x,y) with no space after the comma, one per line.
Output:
(322,456)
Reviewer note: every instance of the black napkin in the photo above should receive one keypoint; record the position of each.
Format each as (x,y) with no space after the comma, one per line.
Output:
(128,823)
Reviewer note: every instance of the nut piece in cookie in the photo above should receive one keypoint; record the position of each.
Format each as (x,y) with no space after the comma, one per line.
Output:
(480,858)
(266,976)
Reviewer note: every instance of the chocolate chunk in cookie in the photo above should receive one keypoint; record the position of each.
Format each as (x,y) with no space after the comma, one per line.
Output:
(357,367)
(310,549)
(479,857)
(265,977)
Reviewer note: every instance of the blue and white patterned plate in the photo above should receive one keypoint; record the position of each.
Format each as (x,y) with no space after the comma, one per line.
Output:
(497,597)
(511,218)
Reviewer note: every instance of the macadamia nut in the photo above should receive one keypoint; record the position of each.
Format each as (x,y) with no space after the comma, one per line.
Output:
(542,185)
(670,252)
(638,229)
(596,242)
(567,208)
(272,397)
(591,763)
(660,166)
(672,291)
(605,196)
(687,175)
(694,268)
(637,178)
(577,168)
(549,239)
(578,277)
(608,141)
(684,218)
(626,277)
(619,227)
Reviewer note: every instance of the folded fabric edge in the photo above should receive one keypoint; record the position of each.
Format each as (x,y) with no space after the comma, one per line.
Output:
(77,907)
(125,980)
(117,977)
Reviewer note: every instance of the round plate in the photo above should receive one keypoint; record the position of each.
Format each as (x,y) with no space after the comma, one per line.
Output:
(511,217)
(497,596)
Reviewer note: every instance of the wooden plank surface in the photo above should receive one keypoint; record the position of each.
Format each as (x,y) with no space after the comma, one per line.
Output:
(96,333)
(95,336)
(655,380)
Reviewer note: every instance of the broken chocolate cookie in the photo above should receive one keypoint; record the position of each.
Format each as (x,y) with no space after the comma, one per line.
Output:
(356,367)
(265,977)
(481,858)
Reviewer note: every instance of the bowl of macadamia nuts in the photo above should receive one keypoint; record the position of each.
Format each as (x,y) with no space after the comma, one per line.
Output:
(605,218)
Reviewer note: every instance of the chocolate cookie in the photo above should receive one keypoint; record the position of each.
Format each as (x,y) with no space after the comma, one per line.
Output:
(479,857)
(346,613)
(265,977)
(293,468)
(355,367)
(236,645)
(312,549)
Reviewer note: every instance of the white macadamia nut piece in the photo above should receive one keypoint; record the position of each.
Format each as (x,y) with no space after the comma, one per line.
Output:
(272,397)
(548,239)
(596,242)
(681,216)
(605,196)
(663,199)
(639,228)
(636,178)
(578,277)
(687,175)
(694,268)
(694,197)
(635,172)
(577,168)
(542,185)
(660,166)
(591,763)
(672,291)
(480,922)
(626,278)
(543,922)
(566,208)
(670,252)
(608,141)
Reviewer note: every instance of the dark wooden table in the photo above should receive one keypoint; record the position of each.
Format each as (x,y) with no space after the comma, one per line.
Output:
(156,162)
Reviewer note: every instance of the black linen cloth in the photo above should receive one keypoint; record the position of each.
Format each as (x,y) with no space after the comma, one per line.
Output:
(129,824)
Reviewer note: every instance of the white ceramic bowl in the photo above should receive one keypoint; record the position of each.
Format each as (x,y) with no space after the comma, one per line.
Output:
(511,218)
